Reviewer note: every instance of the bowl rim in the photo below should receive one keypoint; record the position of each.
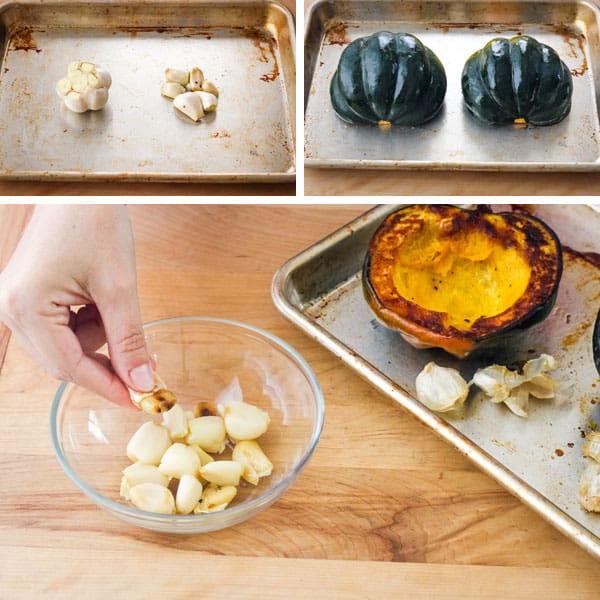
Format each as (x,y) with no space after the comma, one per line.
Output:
(231,515)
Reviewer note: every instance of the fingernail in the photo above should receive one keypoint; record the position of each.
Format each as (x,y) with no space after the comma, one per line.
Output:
(142,378)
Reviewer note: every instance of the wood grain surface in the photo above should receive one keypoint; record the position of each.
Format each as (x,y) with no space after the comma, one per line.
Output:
(383,509)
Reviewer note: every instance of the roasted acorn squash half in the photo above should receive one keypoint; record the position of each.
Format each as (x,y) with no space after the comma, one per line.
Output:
(388,79)
(459,279)
(517,79)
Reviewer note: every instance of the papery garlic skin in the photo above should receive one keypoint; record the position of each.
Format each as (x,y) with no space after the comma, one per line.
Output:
(85,87)
(441,388)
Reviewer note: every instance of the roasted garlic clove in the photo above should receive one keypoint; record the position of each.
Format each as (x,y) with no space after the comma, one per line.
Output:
(222,472)
(176,422)
(208,433)
(189,492)
(215,498)
(148,444)
(153,497)
(254,461)
(158,400)
(179,460)
(244,421)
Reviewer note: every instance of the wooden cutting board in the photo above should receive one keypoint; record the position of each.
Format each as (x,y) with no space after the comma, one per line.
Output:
(384,509)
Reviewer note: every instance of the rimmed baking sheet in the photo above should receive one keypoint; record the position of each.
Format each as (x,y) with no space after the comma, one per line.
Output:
(539,458)
(246,48)
(454,139)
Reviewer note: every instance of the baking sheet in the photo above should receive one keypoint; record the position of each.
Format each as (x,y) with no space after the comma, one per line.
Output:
(454,139)
(539,458)
(246,48)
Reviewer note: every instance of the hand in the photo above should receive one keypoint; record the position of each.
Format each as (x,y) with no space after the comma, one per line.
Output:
(79,256)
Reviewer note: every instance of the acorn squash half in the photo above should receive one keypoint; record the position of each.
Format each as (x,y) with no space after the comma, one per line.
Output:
(459,279)
(388,79)
(517,79)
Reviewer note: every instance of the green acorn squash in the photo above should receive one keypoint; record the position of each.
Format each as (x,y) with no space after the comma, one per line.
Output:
(460,279)
(386,79)
(517,79)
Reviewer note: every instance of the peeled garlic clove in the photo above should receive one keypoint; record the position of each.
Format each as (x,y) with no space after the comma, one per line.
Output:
(244,421)
(254,461)
(208,433)
(179,460)
(176,422)
(589,487)
(196,79)
(591,446)
(204,457)
(209,101)
(140,472)
(441,388)
(215,498)
(171,89)
(148,444)
(222,472)
(190,104)
(188,494)
(177,76)
(153,498)
(211,88)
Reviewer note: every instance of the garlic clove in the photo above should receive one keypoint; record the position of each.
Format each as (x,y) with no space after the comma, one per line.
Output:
(152,497)
(244,421)
(215,498)
(196,79)
(254,461)
(589,487)
(222,472)
(171,89)
(148,444)
(179,460)
(190,104)
(209,101)
(211,88)
(176,422)
(177,76)
(189,492)
(208,433)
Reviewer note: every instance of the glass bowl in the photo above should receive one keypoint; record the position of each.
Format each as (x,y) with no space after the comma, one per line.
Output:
(198,358)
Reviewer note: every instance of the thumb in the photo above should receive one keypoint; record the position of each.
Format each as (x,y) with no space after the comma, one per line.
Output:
(126,341)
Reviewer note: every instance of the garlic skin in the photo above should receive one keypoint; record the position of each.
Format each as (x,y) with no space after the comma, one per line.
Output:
(85,87)
(441,388)
(190,104)
(500,384)
(589,487)
(158,400)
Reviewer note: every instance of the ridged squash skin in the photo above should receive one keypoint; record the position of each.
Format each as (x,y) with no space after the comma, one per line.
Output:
(517,78)
(461,279)
(388,78)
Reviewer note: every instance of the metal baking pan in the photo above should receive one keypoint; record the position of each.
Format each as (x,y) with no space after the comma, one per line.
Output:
(245,47)
(537,458)
(454,139)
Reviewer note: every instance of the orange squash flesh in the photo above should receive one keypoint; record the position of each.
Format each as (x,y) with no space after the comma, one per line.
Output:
(455,278)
